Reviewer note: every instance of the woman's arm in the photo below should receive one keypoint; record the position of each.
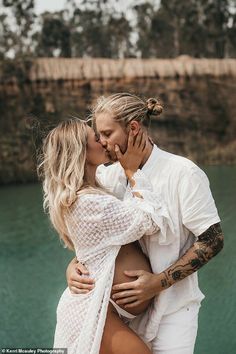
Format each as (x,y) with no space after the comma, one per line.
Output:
(133,221)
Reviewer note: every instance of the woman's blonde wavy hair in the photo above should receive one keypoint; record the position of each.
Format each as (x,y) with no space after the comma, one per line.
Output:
(62,169)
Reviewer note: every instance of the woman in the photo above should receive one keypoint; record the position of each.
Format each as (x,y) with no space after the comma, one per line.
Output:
(95,224)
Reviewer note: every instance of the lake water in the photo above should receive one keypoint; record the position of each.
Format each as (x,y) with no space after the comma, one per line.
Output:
(33,263)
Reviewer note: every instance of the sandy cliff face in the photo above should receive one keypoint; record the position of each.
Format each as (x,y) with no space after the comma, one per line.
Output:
(198,122)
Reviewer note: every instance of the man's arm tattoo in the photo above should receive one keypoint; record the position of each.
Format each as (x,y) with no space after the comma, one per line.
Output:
(207,246)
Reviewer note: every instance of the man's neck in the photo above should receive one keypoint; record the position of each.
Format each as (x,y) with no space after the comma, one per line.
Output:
(147,155)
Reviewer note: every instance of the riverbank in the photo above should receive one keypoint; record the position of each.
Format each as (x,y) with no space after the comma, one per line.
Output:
(198,122)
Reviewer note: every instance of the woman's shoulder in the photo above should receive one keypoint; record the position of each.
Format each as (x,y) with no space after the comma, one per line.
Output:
(94,199)
(91,206)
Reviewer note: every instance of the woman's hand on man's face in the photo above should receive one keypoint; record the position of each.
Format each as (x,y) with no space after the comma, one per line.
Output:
(135,153)
(77,278)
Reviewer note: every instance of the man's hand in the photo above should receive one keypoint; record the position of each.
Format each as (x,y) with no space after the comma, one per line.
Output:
(136,292)
(77,278)
(148,285)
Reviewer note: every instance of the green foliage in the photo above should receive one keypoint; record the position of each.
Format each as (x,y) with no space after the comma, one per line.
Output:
(17,30)
(94,28)
(54,36)
(16,70)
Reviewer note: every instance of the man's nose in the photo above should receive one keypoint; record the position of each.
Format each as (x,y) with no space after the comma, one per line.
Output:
(103,141)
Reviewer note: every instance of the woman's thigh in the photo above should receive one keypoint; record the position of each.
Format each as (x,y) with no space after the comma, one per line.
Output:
(118,338)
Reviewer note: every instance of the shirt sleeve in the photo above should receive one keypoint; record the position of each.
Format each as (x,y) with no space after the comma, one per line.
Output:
(146,213)
(124,222)
(113,179)
(196,201)
(105,220)
(153,203)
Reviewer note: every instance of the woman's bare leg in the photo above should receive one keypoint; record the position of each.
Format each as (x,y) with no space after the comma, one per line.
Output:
(118,338)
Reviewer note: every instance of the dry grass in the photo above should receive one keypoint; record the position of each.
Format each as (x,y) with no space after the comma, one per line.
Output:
(80,69)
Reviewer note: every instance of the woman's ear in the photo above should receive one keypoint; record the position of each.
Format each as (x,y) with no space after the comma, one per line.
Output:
(135,127)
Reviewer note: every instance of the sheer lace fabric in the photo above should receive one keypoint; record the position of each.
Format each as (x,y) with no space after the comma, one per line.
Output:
(99,225)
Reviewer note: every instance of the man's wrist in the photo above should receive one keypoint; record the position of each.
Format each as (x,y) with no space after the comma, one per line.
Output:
(162,282)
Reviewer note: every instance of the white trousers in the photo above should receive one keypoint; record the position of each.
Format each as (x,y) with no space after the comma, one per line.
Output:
(177,331)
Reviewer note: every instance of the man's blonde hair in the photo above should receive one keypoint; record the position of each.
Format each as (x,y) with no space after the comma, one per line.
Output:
(125,107)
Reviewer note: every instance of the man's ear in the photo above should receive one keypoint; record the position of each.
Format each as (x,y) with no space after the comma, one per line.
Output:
(135,127)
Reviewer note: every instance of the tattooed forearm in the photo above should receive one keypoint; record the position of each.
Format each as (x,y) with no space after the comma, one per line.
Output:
(207,246)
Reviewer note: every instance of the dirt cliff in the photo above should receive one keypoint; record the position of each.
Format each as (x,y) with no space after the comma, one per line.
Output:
(198,122)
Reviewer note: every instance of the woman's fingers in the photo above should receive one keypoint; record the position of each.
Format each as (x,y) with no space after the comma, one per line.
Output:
(81,279)
(138,139)
(130,139)
(74,290)
(118,152)
(79,285)
(144,141)
(141,141)
(81,268)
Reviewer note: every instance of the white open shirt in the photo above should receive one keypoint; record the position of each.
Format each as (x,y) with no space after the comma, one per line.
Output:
(184,187)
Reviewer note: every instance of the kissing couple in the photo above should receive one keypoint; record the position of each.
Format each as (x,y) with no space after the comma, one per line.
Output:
(141,222)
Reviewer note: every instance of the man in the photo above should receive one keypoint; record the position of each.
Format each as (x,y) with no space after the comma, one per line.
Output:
(175,257)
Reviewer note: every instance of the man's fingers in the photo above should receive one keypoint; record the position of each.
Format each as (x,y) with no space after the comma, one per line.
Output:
(133,304)
(124,286)
(122,294)
(126,300)
(133,273)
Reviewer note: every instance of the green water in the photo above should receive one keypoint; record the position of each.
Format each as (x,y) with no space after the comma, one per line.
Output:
(32,271)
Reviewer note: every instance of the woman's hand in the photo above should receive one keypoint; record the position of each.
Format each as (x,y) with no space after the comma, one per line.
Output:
(135,153)
(77,278)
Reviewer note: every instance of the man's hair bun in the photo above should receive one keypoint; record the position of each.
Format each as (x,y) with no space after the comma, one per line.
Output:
(154,107)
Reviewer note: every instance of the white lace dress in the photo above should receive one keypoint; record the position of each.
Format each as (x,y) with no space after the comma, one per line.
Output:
(99,225)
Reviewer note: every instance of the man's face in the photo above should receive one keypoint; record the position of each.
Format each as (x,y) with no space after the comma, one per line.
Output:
(111,133)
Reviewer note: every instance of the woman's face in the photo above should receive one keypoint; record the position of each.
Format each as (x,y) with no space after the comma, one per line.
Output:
(96,154)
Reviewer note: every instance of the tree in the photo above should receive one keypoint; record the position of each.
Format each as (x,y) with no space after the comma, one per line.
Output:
(144,14)
(231,36)
(216,22)
(99,32)
(200,28)
(18,28)
(54,39)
